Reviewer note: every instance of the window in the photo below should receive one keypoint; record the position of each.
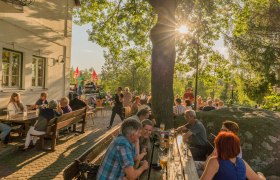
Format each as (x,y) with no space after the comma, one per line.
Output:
(11,68)
(38,71)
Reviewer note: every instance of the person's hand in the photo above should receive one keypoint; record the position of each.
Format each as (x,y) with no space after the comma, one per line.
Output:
(185,139)
(145,164)
(142,155)
(261,176)
(125,178)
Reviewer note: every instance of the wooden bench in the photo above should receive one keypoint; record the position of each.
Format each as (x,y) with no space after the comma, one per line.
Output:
(61,122)
(93,155)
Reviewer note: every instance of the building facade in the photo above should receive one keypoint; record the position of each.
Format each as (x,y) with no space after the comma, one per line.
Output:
(35,49)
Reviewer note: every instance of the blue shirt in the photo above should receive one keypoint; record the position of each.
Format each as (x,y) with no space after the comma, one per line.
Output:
(119,155)
(229,171)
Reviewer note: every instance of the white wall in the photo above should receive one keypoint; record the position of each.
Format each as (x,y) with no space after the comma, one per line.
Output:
(43,29)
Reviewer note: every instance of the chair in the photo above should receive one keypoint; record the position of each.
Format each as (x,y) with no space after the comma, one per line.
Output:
(90,115)
(99,106)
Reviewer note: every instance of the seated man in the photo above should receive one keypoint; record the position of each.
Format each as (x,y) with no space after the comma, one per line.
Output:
(196,136)
(141,115)
(209,106)
(5,134)
(178,109)
(118,161)
(42,101)
(76,103)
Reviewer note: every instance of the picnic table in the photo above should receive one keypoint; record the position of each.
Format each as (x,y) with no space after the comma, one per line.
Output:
(185,169)
(20,119)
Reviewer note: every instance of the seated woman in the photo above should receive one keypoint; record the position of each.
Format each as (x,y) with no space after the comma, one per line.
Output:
(46,115)
(226,165)
(64,105)
(15,105)
(228,126)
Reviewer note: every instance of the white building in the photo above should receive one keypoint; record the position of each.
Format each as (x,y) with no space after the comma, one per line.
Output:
(35,49)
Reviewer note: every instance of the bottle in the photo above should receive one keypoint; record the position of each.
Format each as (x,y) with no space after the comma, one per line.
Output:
(24,113)
(37,111)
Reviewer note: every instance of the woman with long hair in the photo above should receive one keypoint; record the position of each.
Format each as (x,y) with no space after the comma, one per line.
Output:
(15,106)
(226,165)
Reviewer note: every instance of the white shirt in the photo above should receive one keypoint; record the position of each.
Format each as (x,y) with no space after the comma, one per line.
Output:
(13,108)
(179,110)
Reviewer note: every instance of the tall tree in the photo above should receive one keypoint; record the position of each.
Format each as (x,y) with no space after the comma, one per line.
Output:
(255,46)
(124,24)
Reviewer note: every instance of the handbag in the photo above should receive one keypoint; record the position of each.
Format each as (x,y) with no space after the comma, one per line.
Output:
(87,171)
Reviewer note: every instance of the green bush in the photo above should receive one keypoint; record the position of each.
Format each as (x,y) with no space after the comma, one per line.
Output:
(272,102)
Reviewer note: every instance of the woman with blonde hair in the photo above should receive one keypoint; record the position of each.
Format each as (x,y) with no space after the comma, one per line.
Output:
(15,106)
(64,105)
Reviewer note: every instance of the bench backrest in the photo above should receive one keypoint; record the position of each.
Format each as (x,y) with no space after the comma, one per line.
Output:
(70,118)
(93,155)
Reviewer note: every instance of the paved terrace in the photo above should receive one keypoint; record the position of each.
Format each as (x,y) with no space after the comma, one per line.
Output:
(37,164)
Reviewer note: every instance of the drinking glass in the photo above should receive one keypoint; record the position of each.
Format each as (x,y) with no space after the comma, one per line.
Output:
(24,114)
(37,111)
(163,162)
(162,126)
(185,150)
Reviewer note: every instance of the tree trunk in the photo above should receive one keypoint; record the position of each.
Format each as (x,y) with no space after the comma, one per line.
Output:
(163,61)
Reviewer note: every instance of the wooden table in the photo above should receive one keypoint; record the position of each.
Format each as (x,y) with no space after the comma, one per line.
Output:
(20,119)
(186,169)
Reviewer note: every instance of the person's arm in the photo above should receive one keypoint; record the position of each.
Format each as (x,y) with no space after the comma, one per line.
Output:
(181,128)
(250,173)
(211,169)
(132,174)
(138,158)
(11,109)
(213,154)
(187,136)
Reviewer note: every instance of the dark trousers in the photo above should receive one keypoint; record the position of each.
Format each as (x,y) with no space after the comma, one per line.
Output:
(116,110)
(199,153)
(6,140)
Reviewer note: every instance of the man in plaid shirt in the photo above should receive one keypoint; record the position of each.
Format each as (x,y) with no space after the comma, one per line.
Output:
(119,158)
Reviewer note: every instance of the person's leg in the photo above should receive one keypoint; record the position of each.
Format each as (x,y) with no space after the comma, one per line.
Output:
(28,138)
(120,113)
(198,153)
(5,131)
(32,138)
(112,117)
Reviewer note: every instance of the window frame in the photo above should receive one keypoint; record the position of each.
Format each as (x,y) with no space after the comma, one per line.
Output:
(36,74)
(20,69)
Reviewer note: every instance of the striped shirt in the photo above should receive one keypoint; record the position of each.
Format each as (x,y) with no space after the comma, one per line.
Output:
(179,110)
(119,155)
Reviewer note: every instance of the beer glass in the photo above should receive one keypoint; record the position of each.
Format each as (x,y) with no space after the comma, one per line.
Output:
(163,162)
(162,126)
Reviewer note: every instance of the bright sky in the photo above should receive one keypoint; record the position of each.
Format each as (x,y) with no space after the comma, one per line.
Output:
(86,54)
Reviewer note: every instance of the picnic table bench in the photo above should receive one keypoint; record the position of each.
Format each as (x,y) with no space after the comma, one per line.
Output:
(61,122)
(19,119)
(186,168)
(93,155)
